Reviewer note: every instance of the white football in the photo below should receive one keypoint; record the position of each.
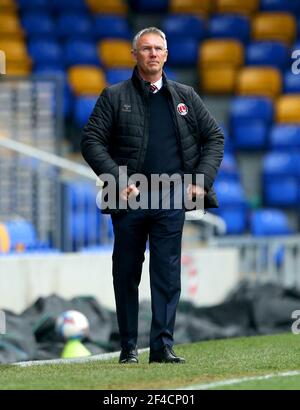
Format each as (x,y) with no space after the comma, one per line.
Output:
(72,325)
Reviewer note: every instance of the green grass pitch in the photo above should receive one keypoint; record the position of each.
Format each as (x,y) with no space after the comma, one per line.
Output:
(206,363)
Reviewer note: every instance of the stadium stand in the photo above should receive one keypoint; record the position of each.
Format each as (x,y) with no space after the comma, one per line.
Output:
(247,8)
(234,49)
(268,26)
(218,64)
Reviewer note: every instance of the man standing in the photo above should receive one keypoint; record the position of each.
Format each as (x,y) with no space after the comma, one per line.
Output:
(152,126)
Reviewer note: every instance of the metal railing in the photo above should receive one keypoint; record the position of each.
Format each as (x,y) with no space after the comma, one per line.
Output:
(266,259)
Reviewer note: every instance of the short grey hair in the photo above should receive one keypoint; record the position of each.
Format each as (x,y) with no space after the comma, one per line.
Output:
(149,30)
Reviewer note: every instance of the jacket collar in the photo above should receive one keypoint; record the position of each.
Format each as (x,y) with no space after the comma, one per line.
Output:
(144,86)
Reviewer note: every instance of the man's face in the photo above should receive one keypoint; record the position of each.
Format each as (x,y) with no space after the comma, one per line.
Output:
(150,54)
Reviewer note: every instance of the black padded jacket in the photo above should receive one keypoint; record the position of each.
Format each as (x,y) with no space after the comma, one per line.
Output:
(117,132)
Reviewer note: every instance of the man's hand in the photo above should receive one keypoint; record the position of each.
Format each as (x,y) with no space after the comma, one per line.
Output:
(127,192)
(195,191)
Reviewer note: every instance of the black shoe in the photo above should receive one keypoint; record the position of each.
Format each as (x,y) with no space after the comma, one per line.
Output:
(129,355)
(165,355)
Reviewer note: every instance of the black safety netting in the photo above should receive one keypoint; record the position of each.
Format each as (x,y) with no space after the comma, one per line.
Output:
(251,309)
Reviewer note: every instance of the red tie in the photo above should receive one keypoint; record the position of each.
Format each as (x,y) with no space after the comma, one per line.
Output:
(153,88)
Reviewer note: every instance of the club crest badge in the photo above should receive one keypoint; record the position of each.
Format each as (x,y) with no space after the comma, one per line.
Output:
(182,109)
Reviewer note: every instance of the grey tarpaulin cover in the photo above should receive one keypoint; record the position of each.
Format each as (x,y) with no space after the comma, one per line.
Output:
(250,310)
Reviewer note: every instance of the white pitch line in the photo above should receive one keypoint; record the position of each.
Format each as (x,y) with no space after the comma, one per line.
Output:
(229,382)
(94,358)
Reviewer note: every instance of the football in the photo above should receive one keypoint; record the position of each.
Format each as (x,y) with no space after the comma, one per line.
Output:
(72,324)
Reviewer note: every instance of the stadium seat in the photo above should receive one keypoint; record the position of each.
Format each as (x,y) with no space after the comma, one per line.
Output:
(80,52)
(68,5)
(16,54)
(8,6)
(291,82)
(292,6)
(250,119)
(111,27)
(281,173)
(116,75)
(217,80)
(247,8)
(235,220)
(83,108)
(56,72)
(229,26)
(108,7)
(259,81)
(39,25)
(268,222)
(182,52)
(230,193)
(178,26)
(146,6)
(288,109)
(82,224)
(221,52)
(45,52)
(10,26)
(89,80)
(281,164)
(115,53)
(75,26)
(229,169)
(22,235)
(281,191)
(4,239)
(267,53)
(33,5)
(234,205)
(285,137)
(269,26)
(218,62)
(204,7)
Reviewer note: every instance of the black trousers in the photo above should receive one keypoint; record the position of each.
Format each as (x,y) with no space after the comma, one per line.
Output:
(164,230)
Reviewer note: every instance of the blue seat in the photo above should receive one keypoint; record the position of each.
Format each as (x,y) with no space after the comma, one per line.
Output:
(72,26)
(38,25)
(68,5)
(268,222)
(235,220)
(285,136)
(171,74)
(281,164)
(230,193)
(22,235)
(184,25)
(153,6)
(183,52)
(59,73)
(281,172)
(45,52)
(230,26)
(83,108)
(34,5)
(292,6)
(250,119)
(111,27)
(281,191)
(291,82)
(267,53)
(81,223)
(229,168)
(116,75)
(80,52)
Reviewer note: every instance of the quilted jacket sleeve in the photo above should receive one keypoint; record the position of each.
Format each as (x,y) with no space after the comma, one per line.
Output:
(211,140)
(96,136)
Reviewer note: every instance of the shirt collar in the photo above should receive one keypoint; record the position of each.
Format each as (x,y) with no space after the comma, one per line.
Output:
(158,84)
